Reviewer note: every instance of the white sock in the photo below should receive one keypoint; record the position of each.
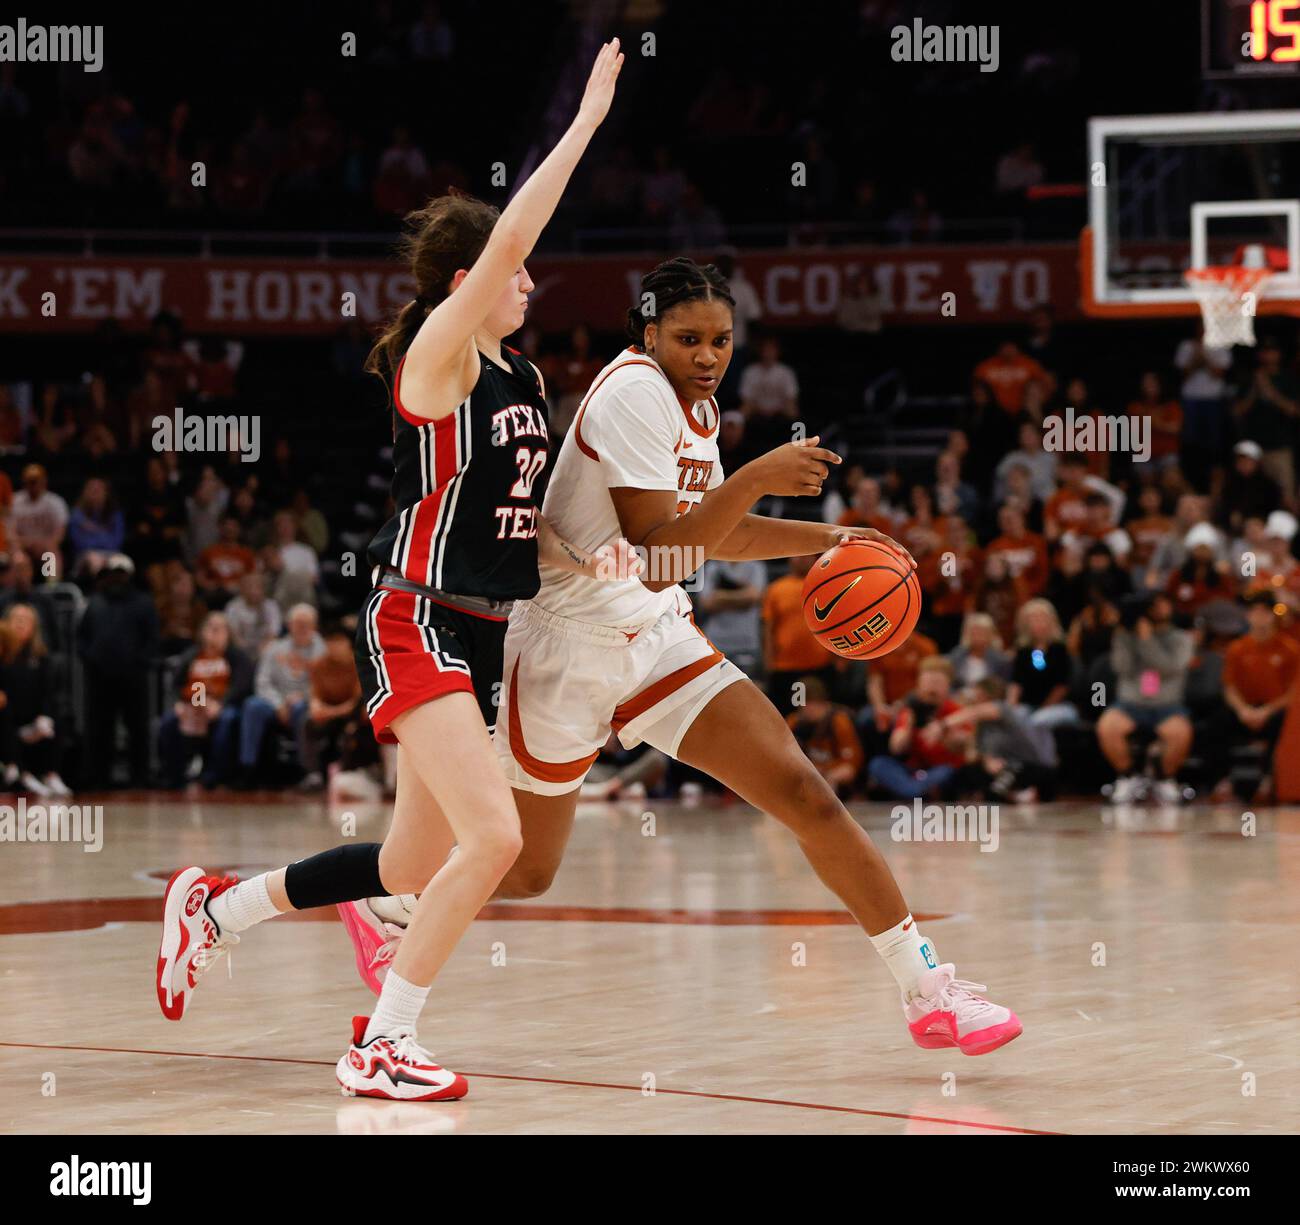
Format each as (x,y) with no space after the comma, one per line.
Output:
(398,1009)
(245,904)
(907,953)
(395,909)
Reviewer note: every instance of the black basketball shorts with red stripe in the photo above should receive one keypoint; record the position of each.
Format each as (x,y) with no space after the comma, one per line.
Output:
(411,648)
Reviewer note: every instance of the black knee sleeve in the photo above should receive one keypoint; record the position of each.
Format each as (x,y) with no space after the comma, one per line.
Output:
(344,874)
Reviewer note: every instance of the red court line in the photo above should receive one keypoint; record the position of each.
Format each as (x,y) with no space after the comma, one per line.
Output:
(82,914)
(581,1084)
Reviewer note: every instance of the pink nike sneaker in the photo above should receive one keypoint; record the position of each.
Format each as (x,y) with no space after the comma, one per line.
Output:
(191,942)
(374,941)
(949,1013)
(395,1067)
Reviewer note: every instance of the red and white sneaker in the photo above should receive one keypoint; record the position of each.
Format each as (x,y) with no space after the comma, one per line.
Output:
(374,941)
(395,1067)
(191,942)
(949,1013)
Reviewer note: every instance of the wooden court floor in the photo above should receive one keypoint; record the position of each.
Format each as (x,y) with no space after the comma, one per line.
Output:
(700,980)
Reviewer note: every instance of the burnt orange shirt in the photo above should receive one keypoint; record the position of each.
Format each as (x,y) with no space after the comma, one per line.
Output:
(1026,558)
(832,742)
(1261,672)
(1147,534)
(212,672)
(227,563)
(1066,509)
(792,647)
(898,669)
(1008,377)
(333,681)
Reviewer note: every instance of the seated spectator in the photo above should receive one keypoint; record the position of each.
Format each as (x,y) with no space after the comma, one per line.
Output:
(18,586)
(1165,415)
(157,518)
(96,528)
(1067,508)
(180,611)
(1010,757)
(222,566)
(1024,552)
(979,655)
(1098,527)
(215,679)
(867,508)
(1248,491)
(729,595)
(1007,373)
(890,679)
(1029,454)
(32,747)
(1201,577)
(1000,594)
(769,396)
(254,618)
(282,690)
(312,528)
(39,521)
(948,576)
(335,699)
(789,649)
(951,494)
(204,509)
(1041,671)
(1260,671)
(292,566)
(1150,656)
(1102,570)
(1266,413)
(826,734)
(1172,552)
(1093,626)
(1148,529)
(924,754)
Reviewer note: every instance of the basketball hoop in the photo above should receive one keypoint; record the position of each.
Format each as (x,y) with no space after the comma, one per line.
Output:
(1228,294)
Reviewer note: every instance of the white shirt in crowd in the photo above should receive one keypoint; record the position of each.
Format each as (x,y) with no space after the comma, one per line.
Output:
(1205,382)
(38,519)
(768,389)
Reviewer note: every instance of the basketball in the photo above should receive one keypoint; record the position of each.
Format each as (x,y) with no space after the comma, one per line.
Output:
(861,600)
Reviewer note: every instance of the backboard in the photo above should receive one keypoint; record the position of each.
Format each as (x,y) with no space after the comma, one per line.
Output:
(1172,192)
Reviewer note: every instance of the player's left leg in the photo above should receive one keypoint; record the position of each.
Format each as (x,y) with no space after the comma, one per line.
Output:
(774,775)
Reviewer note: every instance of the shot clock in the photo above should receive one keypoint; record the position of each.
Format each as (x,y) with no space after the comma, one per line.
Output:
(1243,38)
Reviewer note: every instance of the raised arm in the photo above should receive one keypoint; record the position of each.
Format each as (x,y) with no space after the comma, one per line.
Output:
(446,335)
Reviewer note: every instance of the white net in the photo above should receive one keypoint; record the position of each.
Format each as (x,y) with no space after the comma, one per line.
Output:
(1228,297)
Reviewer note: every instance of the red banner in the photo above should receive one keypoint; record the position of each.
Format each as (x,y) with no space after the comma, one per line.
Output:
(800,288)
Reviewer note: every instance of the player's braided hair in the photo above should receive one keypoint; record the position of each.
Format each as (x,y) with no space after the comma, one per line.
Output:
(673,282)
(445,235)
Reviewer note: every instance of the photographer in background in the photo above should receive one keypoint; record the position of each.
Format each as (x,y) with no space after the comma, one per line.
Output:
(1150,656)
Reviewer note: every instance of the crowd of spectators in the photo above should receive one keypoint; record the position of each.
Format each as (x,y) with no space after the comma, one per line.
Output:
(1125,614)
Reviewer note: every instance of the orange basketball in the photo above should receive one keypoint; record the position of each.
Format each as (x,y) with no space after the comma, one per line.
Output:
(861,600)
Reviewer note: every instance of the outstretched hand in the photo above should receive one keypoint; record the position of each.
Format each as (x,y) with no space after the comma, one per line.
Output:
(599,94)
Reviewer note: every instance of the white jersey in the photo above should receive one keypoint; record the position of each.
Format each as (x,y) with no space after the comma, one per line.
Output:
(631,430)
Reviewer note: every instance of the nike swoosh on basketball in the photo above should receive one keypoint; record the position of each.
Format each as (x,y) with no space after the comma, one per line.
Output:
(821,612)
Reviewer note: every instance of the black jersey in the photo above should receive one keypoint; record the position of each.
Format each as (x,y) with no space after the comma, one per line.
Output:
(469,486)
